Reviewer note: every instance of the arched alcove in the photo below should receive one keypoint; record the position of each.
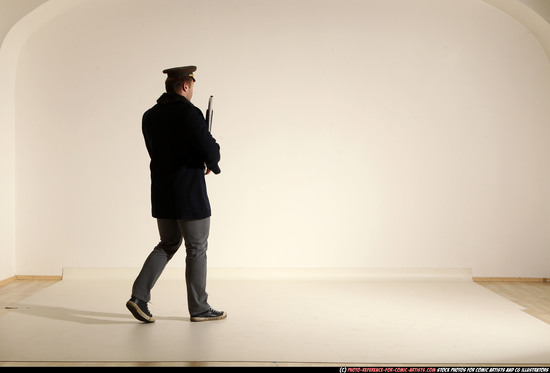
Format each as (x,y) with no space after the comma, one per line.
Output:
(354,134)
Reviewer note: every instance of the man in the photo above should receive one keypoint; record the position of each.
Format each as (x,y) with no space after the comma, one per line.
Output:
(179,145)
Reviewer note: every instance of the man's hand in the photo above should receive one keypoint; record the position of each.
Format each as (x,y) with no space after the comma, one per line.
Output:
(207,171)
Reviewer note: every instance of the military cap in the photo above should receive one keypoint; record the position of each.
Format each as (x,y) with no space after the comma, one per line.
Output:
(181,72)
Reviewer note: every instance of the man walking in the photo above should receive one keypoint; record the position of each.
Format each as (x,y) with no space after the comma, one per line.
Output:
(182,152)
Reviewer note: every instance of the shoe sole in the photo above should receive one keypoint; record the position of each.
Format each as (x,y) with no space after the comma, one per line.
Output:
(212,318)
(138,313)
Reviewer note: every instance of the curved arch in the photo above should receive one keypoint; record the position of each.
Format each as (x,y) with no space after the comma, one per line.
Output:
(14,42)
(16,37)
(10,50)
(529,17)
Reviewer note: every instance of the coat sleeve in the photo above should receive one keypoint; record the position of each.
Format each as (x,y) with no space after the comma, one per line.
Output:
(209,148)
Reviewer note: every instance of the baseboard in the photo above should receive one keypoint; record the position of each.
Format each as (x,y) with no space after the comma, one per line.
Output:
(29,277)
(343,274)
(38,277)
(284,274)
(7,280)
(511,279)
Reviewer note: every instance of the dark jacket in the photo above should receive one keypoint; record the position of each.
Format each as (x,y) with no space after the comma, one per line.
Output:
(179,144)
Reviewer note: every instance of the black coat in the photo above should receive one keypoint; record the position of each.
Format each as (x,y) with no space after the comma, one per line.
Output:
(179,144)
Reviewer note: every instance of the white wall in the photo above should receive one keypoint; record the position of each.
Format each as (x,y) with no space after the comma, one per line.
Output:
(381,133)
(11,12)
(7,174)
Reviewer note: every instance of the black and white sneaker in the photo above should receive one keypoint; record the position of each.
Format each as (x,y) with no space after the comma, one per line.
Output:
(209,315)
(139,310)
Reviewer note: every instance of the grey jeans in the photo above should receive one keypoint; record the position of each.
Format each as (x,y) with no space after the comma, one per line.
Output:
(172,232)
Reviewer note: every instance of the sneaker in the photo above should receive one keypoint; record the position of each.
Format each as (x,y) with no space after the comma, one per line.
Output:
(139,310)
(209,315)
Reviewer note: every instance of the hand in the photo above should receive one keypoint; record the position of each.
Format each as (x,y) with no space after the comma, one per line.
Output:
(207,171)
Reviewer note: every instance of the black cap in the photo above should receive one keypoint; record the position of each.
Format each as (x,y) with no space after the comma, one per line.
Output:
(181,72)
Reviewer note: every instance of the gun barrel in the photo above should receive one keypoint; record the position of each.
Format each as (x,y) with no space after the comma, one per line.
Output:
(209,113)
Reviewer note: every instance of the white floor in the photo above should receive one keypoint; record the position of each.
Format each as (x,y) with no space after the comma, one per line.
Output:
(300,318)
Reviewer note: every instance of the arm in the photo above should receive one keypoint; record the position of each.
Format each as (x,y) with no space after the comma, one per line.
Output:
(207,145)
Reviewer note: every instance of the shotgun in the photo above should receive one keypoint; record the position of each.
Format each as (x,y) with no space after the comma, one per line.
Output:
(209,114)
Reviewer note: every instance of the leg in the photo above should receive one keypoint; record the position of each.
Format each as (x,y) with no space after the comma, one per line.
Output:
(195,234)
(170,241)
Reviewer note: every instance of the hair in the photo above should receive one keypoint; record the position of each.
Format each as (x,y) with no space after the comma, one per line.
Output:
(173,85)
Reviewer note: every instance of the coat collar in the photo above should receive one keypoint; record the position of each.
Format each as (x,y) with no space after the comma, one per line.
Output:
(168,98)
